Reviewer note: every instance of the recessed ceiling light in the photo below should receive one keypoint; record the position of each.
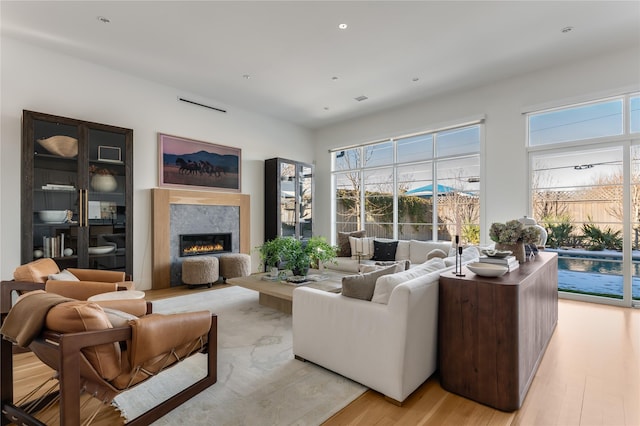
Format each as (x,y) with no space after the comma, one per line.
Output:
(334,78)
(246,76)
(103,19)
(342,26)
(414,79)
(566,30)
(326,108)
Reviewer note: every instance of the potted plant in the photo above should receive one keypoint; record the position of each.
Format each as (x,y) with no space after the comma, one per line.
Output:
(512,236)
(296,255)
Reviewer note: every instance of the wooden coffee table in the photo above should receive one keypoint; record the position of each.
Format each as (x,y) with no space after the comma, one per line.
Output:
(279,294)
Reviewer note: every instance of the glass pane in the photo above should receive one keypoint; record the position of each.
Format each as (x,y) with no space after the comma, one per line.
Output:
(348,159)
(380,154)
(348,206)
(465,140)
(577,123)
(306,194)
(635,221)
(415,201)
(378,190)
(415,148)
(635,114)
(578,196)
(107,204)
(287,199)
(458,192)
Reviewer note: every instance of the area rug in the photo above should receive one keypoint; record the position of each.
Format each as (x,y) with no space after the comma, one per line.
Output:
(259,381)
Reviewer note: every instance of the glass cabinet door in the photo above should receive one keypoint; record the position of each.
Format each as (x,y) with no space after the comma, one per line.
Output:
(305,195)
(55,192)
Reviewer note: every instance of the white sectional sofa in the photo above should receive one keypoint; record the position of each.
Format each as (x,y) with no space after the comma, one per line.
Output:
(389,347)
(412,250)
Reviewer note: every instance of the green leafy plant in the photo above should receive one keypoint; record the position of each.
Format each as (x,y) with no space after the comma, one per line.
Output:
(290,253)
(601,239)
(471,233)
(559,231)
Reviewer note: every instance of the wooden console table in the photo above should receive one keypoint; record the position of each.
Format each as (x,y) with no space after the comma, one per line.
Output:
(493,332)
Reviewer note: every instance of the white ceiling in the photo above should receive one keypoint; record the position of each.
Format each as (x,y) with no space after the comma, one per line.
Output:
(291,50)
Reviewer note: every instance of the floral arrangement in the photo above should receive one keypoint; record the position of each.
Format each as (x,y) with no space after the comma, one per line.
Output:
(95,170)
(513,232)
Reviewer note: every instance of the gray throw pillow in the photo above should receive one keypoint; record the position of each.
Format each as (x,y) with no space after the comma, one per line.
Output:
(344,246)
(361,286)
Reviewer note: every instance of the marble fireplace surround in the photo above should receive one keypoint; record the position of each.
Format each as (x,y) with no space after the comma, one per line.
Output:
(162,199)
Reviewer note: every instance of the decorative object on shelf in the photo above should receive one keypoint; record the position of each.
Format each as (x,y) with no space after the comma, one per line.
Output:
(67,251)
(296,255)
(37,254)
(101,249)
(110,154)
(54,216)
(498,254)
(512,236)
(187,162)
(487,269)
(64,146)
(102,180)
(531,222)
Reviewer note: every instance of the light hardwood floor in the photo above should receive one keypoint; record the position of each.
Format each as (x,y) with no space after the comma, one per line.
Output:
(590,375)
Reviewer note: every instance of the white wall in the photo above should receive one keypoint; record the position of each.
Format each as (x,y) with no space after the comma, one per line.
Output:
(504,168)
(39,80)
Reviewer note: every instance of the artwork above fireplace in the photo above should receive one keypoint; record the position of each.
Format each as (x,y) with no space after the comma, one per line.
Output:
(204,244)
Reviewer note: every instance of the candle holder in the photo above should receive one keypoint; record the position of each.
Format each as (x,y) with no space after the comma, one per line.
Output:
(458,268)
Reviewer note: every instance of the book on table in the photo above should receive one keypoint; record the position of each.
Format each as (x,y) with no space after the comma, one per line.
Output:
(510,261)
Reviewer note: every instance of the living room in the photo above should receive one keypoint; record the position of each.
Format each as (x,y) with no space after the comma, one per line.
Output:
(37,77)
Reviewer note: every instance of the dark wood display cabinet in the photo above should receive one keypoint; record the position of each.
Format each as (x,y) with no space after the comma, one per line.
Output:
(77,192)
(288,199)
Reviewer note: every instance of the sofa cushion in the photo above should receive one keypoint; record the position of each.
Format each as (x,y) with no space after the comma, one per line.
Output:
(361,248)
(402,252)
(368,267)
(418,250)
(63,276)
(385,284)
(36,271)
(384,250)
(437,253)
(361,286)
(344,246)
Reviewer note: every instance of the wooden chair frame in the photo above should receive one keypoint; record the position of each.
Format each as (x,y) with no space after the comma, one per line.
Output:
(70,346)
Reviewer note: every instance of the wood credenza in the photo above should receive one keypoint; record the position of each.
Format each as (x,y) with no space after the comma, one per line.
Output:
(493,332)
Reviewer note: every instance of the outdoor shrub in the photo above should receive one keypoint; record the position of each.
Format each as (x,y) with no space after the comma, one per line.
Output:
(471,233)
(599,239)
(559,231)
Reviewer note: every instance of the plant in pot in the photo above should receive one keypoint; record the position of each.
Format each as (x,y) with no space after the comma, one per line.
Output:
(320,251)
(512,236)
(296,255)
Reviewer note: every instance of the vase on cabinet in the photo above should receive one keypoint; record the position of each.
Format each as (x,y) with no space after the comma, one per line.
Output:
(104,183)
(517,249)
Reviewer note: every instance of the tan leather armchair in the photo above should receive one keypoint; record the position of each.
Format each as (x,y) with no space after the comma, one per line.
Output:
(91,281)
(92,355)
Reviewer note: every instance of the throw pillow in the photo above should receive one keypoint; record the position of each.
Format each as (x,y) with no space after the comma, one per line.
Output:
(344,247)
(63,276)
(118,318)
(361,248)
(384,250)
(361,286)
(385,285)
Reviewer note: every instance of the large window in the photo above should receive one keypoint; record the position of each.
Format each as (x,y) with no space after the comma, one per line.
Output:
(588,196)
(423,186)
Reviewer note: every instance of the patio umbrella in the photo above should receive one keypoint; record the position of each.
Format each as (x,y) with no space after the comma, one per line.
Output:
(427,190)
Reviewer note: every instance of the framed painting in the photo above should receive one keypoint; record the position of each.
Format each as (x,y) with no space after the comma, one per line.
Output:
(195,164)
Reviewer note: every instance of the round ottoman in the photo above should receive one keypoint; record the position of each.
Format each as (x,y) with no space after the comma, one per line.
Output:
(201,270)
(234,265)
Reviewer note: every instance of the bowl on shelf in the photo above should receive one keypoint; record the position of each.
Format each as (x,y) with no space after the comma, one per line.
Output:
(53,216)
(101,249)
(487,269)
(64,146)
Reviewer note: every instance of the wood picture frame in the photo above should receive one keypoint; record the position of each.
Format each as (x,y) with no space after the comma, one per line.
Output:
(190,163)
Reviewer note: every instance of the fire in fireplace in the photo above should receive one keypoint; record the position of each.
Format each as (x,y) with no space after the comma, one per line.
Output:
(200,244)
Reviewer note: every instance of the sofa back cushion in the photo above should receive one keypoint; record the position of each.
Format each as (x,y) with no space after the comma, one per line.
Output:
(469,254)
(418,250)
(402,251)
(385,284)
(37,271)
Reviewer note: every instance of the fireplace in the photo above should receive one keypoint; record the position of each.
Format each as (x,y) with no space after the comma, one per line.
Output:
(202,244)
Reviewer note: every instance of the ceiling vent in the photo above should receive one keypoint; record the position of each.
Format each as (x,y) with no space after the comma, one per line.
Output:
(361,98)
(201,104)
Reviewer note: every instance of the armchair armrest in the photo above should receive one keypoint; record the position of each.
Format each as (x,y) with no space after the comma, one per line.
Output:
(98,275)
(79,290)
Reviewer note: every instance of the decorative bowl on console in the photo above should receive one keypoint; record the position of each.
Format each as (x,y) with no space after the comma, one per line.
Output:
(487,269)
